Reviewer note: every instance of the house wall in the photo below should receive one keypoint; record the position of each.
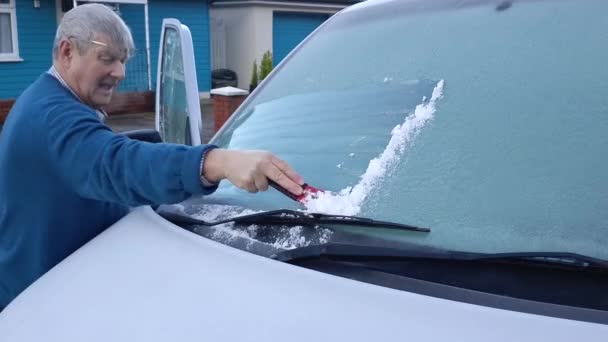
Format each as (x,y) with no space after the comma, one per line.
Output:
(195,15)
(136,78)
(248,31)
(36,31)
(289,29)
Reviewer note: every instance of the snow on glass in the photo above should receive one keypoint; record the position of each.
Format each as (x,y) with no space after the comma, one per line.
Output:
(346,202)
(286,237)
(349,200)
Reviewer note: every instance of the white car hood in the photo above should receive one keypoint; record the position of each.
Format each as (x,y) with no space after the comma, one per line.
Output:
(145,279)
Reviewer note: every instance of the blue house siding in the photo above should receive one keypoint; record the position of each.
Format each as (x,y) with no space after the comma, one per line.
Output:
(36,31)
(137,68)
(195,15)
(289,29)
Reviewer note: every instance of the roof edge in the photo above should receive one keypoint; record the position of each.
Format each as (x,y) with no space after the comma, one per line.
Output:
(327,4)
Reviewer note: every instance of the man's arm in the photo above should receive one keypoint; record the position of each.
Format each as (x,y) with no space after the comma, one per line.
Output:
(102,165)
(99,164)
(250,170)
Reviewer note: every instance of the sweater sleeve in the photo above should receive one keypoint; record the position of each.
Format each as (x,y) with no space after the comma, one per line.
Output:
(99,164)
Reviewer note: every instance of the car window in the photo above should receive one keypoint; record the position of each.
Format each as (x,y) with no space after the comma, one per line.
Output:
(177,110)
(500,115)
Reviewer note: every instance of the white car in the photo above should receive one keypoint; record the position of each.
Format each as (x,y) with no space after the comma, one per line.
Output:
(461,148)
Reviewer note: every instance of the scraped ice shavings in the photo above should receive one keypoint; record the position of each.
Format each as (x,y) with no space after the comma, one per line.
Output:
(293,239)
(348,201)
(285,237)
(225,231)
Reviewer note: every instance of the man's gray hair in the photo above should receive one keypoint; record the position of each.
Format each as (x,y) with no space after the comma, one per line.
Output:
(83,23)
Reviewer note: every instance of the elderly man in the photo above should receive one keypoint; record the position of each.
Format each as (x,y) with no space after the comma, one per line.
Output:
(65,176)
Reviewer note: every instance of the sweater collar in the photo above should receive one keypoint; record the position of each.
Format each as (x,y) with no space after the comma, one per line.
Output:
(53,72)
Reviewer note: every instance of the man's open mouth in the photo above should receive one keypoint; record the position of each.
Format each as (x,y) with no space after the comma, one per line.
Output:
(107,87)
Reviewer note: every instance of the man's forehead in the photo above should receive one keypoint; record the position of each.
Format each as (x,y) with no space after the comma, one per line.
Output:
(106,46)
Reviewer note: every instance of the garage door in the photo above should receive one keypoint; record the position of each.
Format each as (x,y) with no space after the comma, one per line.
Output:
(289,29)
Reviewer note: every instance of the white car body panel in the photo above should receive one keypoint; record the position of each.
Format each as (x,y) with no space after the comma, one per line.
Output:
(145,279)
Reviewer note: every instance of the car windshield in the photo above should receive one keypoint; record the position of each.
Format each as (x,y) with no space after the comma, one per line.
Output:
(486,121)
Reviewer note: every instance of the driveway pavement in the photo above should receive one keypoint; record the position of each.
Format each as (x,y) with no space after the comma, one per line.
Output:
(128,122)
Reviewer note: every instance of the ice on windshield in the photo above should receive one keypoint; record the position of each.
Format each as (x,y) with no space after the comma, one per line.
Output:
(349,200)
(267,240)
(250,237)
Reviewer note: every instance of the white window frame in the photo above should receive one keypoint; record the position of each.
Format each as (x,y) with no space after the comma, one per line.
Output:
(192,96)
(12,11)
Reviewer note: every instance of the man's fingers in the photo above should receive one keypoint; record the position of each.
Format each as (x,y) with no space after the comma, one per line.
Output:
(251,187)
(283,180)
(261,182)
(286,170)
(251,171)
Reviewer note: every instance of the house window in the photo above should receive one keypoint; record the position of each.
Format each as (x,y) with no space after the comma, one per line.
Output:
(9,50)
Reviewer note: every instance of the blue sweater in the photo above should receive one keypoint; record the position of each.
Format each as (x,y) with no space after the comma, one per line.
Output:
(65,177)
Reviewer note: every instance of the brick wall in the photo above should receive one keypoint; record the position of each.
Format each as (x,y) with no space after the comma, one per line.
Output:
(5,107)
(135,102)
(223,107)
(122,103)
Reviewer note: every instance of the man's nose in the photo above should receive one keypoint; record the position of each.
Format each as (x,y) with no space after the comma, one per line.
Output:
(118,70)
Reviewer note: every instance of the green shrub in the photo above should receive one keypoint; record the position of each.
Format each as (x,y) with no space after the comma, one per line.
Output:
(266,65)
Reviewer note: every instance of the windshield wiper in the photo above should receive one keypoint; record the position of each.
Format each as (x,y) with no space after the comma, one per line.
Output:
(350,251)
(292,217)
(556,258)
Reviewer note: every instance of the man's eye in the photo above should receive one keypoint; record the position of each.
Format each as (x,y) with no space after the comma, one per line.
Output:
(106,59)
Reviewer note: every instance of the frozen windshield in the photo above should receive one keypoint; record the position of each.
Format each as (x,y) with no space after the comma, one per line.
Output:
(487,123)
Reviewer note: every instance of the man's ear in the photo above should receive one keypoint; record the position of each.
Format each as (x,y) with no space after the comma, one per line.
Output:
(65,53)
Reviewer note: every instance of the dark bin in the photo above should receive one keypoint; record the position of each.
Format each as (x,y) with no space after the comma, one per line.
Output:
(223,78)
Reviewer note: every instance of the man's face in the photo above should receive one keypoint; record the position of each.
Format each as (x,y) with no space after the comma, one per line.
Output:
(95,74)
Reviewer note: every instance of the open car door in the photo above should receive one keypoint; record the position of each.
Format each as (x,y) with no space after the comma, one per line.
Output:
(178,114)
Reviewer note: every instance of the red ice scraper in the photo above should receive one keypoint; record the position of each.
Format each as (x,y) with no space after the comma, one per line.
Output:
(307,190)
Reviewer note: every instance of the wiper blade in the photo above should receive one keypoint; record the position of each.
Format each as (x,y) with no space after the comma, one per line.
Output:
(353,250)
(292,217)
(562,258)
(410,252)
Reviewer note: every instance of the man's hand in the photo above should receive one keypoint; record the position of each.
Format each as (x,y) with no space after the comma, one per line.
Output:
(250,170)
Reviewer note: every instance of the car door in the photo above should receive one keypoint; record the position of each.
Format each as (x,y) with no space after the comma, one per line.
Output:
(178,115)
